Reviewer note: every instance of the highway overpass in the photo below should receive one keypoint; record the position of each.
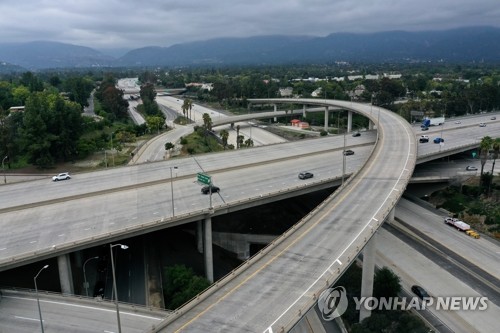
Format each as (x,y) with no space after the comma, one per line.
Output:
(154,178)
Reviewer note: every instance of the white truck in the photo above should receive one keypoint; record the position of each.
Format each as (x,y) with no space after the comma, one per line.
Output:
(426,122)
(461,225)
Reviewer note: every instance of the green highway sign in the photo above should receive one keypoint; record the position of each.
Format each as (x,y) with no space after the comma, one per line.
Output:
(204,178)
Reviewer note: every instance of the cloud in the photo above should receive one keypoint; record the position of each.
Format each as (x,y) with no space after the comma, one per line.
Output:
(131,24)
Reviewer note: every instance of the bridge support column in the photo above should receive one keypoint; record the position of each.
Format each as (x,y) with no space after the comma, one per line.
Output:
(65,275)
(370,124)
(367,275)
(304,110)
(275,110)
(349,121)
(209,260)
(326,118)
(199,236)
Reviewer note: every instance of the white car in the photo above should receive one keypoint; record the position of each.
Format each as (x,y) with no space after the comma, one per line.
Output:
(471,168)
(482,125)
(61,176)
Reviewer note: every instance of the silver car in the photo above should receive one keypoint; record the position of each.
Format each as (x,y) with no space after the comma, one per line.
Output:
(61,176)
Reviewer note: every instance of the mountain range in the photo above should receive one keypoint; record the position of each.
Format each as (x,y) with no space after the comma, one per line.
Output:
(461,45)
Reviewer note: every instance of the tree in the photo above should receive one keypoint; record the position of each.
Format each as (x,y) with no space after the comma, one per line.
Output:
(224,134)
(238,137)
(386,283)
(180,285)
(249,142)
(496,151)
(484,148)
(169,145)
(155,123)
(187,105)
(207,122)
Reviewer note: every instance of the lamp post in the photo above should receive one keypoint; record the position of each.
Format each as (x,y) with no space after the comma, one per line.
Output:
(37,299)
(172,190)
(123,247)
(3,168)
(85,283)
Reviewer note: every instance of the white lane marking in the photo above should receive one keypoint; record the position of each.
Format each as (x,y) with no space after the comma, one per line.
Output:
(3,248)
(34,319)
(32,242)
(86,307)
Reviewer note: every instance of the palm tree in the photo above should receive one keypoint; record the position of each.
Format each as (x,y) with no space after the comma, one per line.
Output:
(187,105)
(484,148)
(237,136)
(496,151)
(207,122)
(224,134)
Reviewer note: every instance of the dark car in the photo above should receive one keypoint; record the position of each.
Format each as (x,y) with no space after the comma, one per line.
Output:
(206,189)
(420,292)
(305,175)
(425,128)
(99,289)
(348,152)
(356,134)
(438,140)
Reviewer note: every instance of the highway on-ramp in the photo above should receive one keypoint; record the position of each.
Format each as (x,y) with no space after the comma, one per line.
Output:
(271,291)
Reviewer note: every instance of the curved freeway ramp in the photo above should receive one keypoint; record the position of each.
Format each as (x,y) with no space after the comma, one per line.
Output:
(270,292)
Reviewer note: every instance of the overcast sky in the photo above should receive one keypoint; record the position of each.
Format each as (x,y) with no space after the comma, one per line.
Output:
(107,24)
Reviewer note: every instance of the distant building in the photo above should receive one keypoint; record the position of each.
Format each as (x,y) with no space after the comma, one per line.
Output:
(286,92)
(300,124)
(16,109)
(316,92)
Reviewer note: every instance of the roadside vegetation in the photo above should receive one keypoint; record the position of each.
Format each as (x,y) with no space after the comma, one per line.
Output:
(52,129)
(385,284)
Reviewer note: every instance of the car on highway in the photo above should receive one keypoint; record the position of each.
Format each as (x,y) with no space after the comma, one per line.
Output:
(482,125)
(423,138)
(305,175)
(348,152)
(425,128)
(420,292)
(493,118)
(206,189)
(471,168)
(438,140)
(356,134)
(458,122)
(61,176)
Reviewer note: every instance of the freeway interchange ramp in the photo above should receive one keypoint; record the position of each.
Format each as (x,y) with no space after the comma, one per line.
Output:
(271,291)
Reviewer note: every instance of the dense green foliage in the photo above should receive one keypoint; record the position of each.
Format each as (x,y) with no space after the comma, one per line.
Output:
(385,284)
(50,131)
(180,284)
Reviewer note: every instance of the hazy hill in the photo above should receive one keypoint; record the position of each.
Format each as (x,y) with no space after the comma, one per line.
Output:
(464,45)
(43,54)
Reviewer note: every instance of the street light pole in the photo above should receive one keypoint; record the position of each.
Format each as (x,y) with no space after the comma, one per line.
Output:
(85,283)
(3,168)
(172,190)
(37,298)
(123,247)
